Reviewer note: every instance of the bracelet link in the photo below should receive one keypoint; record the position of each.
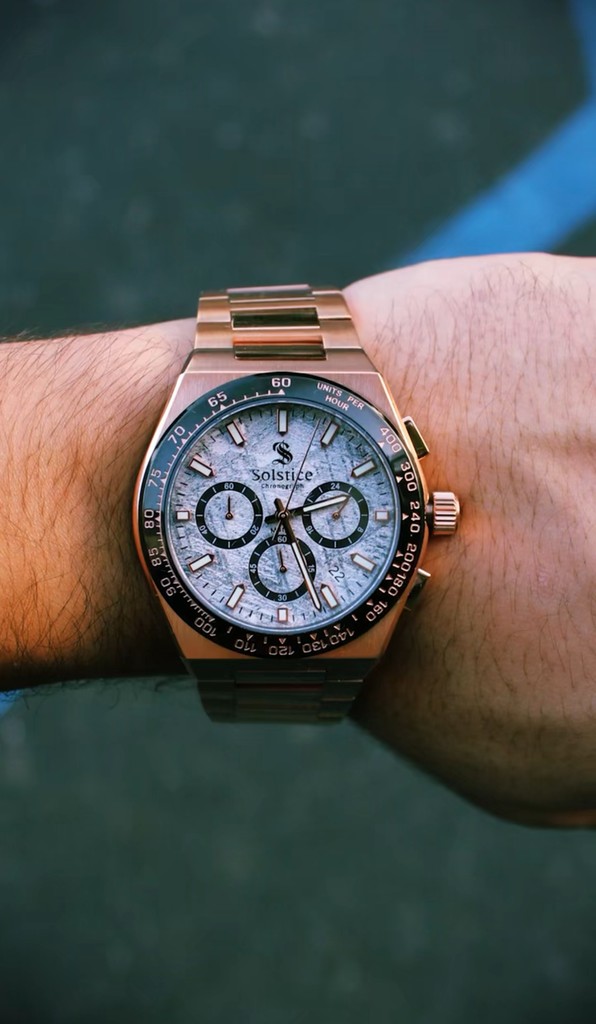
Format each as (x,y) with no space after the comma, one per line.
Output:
(281,322)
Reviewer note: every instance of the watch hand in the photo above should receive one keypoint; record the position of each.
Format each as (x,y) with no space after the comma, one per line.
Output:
(324,503)
(339,499)
(305,573)
(229,513)
(338,511)
(294,545)
(282,566)
(291,495)
(279,503)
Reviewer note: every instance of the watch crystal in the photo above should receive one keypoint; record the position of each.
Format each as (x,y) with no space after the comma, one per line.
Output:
(280,512)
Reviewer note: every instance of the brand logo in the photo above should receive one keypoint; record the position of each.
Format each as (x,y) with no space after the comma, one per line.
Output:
(281,477)
(284,453)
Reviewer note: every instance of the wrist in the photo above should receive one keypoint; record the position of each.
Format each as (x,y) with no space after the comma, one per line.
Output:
(77,414)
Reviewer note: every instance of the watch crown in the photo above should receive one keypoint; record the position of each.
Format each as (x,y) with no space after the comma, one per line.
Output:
(444,513)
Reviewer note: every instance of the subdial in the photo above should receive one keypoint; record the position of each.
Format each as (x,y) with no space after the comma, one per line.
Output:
(335,514)
(274,571)
(229,514)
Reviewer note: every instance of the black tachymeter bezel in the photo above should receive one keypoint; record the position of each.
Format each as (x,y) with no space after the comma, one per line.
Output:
(200,416)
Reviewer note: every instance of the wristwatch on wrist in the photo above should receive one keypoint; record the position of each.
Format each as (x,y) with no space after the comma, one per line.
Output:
(280,512)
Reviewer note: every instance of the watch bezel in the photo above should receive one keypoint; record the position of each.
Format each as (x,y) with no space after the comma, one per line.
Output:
(233,396)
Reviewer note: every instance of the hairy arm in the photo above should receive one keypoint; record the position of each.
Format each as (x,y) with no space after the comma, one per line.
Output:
(490,684)
(76,415)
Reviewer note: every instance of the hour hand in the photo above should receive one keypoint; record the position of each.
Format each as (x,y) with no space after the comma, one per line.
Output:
(337,499)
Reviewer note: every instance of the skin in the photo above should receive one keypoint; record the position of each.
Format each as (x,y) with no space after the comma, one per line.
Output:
(490,684)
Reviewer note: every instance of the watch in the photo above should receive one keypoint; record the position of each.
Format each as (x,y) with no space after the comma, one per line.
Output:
(280,512)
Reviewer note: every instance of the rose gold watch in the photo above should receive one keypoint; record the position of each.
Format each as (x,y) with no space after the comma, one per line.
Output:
(280,512)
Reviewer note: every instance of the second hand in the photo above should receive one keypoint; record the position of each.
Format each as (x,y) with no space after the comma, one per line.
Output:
(282,511)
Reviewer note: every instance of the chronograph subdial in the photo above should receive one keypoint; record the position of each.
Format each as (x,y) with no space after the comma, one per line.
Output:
(274,572)
(229,514)
(335,514)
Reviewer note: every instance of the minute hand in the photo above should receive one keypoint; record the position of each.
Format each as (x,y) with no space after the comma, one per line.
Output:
(294,545)
(303,568)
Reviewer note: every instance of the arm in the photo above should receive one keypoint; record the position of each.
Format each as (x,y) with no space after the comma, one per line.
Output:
(76,414)
(494,358)
(496,686)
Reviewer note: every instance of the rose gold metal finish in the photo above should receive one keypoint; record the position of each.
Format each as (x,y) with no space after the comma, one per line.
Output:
(283,322)
(444,510)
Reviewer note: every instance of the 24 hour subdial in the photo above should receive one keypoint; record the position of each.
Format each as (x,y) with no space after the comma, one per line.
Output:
(335,514)
(229,514)
(274,571)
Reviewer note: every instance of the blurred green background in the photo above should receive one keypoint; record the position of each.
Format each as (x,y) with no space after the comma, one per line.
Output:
(155,867)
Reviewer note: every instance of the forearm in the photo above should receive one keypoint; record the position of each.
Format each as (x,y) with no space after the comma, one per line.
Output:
(76,414)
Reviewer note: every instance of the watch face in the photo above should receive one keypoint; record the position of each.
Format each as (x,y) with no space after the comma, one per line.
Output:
(281,515)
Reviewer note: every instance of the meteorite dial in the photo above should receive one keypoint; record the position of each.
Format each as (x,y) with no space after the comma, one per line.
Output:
(281,514)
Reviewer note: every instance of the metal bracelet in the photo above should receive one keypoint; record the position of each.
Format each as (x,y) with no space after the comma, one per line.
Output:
(277,323)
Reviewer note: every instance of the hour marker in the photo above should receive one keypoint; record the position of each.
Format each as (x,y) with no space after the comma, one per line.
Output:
(235,433)
(201,467)
(282,615)
(365,563)
(364,467)
(200,562)
(182,515)
(282,421)
(235,596)
(329,596)
(382,515)
(329,434)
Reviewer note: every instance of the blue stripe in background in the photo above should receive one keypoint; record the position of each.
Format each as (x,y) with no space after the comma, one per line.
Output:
(535,206)
(544,199)
(6,700)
